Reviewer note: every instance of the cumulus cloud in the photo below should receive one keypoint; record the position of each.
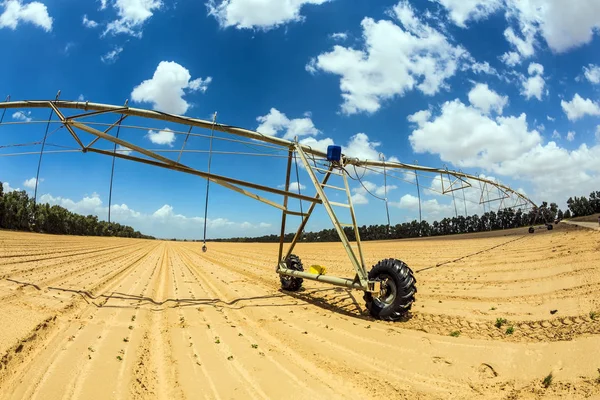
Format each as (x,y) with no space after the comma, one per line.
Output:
(165,90)
(276,122)
(579,107)
(162,223)
(570,136)
(248,14)
(592,73)
(16,12)
(361,195)
(534,85)
(162,137)
(484,68)
(88,23)
(30,183)
(22,116)
(7,188)
(112,55)
(294,186)
(131,16)
(467,137)
(123,150)
(461,11)
(482,97)
(340,36)
(430,208)
(398,56)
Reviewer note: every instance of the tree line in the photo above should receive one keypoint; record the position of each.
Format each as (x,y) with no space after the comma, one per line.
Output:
(489,221)
(19,212)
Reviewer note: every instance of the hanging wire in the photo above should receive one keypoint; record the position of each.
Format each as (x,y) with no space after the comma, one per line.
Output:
(298,182)
(387,210)
(419,195)
(452,192)
(4,111)
(112,172)
(212,130)
(37,175)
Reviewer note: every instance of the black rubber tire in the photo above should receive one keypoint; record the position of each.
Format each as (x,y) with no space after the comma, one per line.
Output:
(550,227)
(292,283)
(400,290)
(531,229)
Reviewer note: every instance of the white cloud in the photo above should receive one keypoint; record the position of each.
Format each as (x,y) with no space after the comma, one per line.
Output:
(361,193)
(556,135)
(562,25)
(88,23)
(22,116)
(167,87)
(81,98)
(484,67)
(341,36)
(482,97)
(396,58)
(112,55)
(103,4)
(430,208)
(163,223)
(466,137)
(461,11)
(126,151)
(16,12)
(592,73)
(30,183)
(534,85)
(7,188)
(165,136)
(570,136)
(511,58)
(132,15)
(549,118)
(598,134)
(275,122)
(524,46)
(293,186)
(579,107)
(250,14)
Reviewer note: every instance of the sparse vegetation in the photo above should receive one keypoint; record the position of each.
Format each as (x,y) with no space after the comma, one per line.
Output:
(547,380)
(230,358)
(126,339)
(593,315)
(255,346)
(500,322)
(130,326)
(455,333)
(119,358)
(217,340)
(510,330)
(493,308)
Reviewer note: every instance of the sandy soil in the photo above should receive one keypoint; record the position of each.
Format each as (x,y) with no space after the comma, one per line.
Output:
(99,318)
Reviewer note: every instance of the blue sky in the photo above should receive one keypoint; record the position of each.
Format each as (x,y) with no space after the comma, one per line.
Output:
(504,88)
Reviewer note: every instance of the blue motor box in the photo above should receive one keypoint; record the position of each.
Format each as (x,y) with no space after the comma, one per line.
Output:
(334,153)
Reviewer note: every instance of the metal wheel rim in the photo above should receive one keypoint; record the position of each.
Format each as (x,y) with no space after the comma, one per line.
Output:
(388,291)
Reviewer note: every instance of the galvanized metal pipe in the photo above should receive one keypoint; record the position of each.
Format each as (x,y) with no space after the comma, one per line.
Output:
(333,280)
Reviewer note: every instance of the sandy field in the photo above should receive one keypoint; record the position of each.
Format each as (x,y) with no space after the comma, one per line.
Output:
(104,318)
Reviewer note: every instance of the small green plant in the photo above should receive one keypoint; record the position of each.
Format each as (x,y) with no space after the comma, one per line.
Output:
(255,346)
(493,308)
(455,333)
(126,339)
(133,318)
(598,378)
(547,380)
(239,334)
(500,322)
(217,341)
(119,358)
(230,358)
(91,349)
(368,326)
(593,315)
(510,330)
(208,326)
(262,354)
(130,326)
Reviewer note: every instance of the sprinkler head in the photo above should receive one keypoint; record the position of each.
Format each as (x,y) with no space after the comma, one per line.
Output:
(204,248)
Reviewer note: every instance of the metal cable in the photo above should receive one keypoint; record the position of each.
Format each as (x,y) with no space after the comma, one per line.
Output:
(208,180)
(112,172)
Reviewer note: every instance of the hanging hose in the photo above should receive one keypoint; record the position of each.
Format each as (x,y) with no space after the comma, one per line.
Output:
(298,182)
(212,130)
(419,195)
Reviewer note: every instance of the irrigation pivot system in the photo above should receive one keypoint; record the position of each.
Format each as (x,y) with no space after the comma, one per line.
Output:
(389,286)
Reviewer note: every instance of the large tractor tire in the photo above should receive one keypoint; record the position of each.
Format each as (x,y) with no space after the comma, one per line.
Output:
(292,283)
(531,229)
(397,294)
